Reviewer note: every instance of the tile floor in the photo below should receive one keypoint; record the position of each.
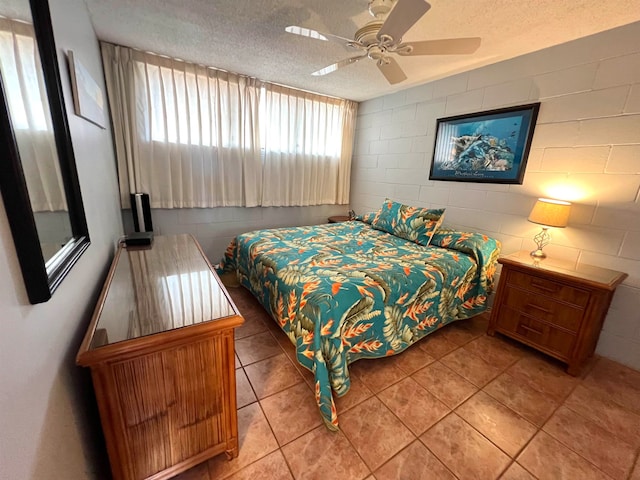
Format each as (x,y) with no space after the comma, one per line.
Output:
(459,404)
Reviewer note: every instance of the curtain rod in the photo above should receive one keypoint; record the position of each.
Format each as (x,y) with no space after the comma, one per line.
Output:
(226,71)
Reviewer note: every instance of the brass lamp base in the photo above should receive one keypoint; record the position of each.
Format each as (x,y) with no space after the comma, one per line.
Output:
(541,240)
(538,254)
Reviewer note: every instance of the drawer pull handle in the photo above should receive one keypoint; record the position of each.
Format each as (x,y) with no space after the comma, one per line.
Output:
(525,327)
(542,309)
(543,287)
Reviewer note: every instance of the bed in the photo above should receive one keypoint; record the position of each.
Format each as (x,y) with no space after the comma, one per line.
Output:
(349,291)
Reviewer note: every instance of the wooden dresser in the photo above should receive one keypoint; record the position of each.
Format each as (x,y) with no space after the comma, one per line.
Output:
(161,352)
(555,307)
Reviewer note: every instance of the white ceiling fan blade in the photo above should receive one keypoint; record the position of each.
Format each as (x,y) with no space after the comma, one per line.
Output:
(391,70)
(337,65)
(402,17)
(307,32)
(445,46)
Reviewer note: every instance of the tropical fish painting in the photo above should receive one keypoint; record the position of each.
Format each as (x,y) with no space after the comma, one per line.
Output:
(346,291)
(488,146)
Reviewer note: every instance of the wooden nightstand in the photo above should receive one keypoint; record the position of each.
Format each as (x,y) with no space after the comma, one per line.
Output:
(552,306)
(338,218)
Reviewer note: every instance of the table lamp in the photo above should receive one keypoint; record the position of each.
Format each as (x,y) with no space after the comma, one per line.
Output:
(548,213)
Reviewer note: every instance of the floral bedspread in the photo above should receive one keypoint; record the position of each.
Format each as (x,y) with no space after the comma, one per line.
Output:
(346,291)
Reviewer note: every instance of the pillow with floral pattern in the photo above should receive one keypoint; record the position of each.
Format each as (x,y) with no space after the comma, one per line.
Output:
(366,217)
(411,223)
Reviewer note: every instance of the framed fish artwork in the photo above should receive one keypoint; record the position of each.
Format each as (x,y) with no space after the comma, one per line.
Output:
(484,147)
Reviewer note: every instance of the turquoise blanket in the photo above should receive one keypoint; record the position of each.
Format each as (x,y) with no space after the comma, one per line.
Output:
(346,291)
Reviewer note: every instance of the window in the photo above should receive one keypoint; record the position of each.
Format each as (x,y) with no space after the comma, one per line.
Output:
(21,73)
(194,136)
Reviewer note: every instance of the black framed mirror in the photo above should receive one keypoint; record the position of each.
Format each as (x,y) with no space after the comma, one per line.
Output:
(38,175)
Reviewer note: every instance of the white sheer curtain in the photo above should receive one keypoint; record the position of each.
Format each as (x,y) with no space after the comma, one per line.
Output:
(184,133)
(193,136)
(31,120)
(308,141)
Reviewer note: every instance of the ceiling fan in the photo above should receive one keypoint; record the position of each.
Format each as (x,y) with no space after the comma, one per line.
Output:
(380,39)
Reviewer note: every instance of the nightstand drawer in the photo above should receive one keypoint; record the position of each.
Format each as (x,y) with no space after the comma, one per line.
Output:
(542,286)
(537,333)
(544,308)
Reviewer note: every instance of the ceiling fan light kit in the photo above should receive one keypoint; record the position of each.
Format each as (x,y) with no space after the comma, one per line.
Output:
(381,38)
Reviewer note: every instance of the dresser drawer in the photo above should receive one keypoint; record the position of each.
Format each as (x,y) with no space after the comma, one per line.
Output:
(543,286)
(536,333)
(544,308)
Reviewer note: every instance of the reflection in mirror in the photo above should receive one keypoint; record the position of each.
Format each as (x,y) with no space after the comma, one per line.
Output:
(38,176)
(21,71)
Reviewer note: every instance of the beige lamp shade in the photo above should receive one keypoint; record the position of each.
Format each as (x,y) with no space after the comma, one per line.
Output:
(551,213)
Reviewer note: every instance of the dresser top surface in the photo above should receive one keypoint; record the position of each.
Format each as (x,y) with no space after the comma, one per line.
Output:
(596,275)
(159,289)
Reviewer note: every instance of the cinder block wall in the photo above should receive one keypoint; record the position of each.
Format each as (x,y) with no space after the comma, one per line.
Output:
(586,148)
(214,228)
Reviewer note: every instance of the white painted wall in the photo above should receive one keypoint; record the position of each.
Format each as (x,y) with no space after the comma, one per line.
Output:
(586,148)
(214,228)
(48,427)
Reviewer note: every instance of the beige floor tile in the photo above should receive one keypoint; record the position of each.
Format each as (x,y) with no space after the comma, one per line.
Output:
(414,405)
(621,383)
(240,296)
(271,467)
(290,352)
(272,375)
(472,367)
(446,385)
(516,472)
(248,305)
(257,347)
(498,423)
(244,392)
(291,412)
(458,334)
(436,344)
(251,326)
(358,392)
(375,432)
(495,351)
(378,373)
(414,462)
(635,475)
(412,359)
(322,455)
(544,375)
(255,439)
(521,398)
(610,454)
(479,323)
(285,342)
(308,376)
(548,459)
(605,413)
(463,450)
(464,331)
(199,472)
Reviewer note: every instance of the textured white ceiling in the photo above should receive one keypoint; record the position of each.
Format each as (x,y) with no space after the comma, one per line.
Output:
(247,36)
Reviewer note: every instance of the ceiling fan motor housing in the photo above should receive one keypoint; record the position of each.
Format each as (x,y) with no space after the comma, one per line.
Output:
(367,35)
